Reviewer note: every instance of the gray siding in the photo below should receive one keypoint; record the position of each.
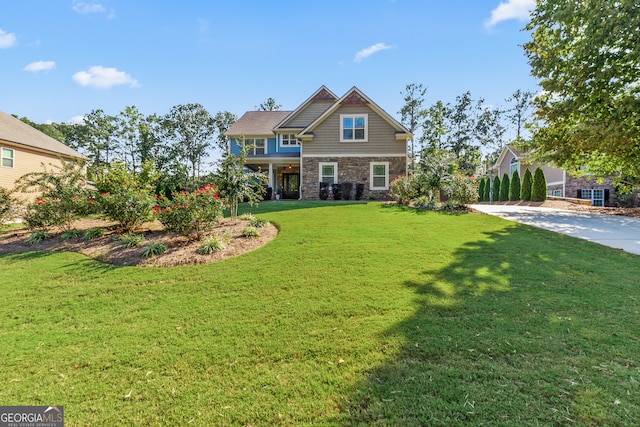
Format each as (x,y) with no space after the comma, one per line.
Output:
(305,117)
(381,136)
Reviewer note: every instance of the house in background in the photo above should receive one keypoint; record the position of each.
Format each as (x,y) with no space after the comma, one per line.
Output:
(327,139)
(24,149)
(559,182)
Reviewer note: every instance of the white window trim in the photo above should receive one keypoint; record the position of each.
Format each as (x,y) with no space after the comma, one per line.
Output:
(2,157)
(282,144)
(386,177)
(253,146)
(354,116)
(335,170)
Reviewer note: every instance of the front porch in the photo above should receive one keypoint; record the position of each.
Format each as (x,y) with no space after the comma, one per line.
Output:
(283,176)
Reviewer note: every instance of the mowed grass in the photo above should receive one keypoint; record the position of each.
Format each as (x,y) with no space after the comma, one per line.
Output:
(356,314)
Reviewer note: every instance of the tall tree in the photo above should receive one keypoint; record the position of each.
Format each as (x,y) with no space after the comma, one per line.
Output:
(97,139)
(586,55)
(433,128)
(129,128)
(223,121)
(462,137)
(520,103)
(191,129)
(269,105)
(412,113)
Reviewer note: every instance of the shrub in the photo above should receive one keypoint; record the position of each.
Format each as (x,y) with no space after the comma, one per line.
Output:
(514,187)
(210,246)
(259,222)
(37,237)
(93,233)
(481,190)
(504,188)
(72,233)
(487,190)
(131,240)
(246,216)
(250,232)
(424,202)
(404,189)
(525,188)
(539,186)
(154,249)
(125,197)
(460,190)
(496,189)
(191,214)
(8,205)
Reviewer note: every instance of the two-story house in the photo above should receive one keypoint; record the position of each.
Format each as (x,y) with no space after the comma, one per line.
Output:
(326,139)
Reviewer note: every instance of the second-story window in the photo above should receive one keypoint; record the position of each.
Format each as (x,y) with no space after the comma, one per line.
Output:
(257,146)
(354,128)
(289,140)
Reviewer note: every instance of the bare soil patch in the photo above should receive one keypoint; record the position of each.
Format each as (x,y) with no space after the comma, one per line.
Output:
(181,251)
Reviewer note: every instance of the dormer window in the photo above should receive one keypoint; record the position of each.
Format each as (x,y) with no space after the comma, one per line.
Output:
(354,127)
(289,140)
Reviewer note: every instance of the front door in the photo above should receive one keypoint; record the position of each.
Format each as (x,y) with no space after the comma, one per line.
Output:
(290,185)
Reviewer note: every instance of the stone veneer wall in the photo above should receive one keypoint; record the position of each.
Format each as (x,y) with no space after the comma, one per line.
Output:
(350,169)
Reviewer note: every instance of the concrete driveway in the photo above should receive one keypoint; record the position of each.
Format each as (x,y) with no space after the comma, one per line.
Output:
(610,230)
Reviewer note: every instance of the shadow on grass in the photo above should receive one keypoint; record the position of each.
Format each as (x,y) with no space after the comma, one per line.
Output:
(457,344)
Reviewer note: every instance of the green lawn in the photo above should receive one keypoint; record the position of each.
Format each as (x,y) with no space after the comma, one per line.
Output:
(356,314)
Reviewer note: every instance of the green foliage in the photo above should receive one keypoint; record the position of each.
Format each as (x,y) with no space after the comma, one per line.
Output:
(404,189)
(64,196)
(210,246)
(38,236)
(250,232)
(504,188)
(481,190)
(72,233)
(8,206)
(131,240)
(460,190)
(487,189)
(514,186)
(154,249)
(586,55)
(93,233)
(126,197)
(496,189)
(192,214)
(259,222)
(539,186)
(525,188)
(424,202)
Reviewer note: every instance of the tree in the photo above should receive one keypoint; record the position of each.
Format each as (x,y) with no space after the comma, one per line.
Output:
(191,129)
(487,190)
(223,121)
(433,128)
(129,126)
(525,188)
(586,55)
(97,139)
(517,113)
(412,112)
(481,190)
(269,105)
(496,189)
(539,186)
(504,188)
(514,187)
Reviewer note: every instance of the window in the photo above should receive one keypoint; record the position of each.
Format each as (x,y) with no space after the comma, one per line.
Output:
(596,196)
(7,157)
(257,146)
(514,166)
(557,193)
(354,128)
(289,139)
(329,173)
(379,176)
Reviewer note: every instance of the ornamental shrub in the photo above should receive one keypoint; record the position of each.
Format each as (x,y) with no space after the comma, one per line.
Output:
(8,205)
(525,188)
(504,188)
(487,189)
(192,214)
(539,187)
(481,190)
(496,189)
(460,190)
(514,187)
(404,189)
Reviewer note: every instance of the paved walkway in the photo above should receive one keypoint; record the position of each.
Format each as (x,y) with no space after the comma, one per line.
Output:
(610,230)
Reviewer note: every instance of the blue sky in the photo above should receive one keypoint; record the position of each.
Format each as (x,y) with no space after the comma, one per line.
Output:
(60,59)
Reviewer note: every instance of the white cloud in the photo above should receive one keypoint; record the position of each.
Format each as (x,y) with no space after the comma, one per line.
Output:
(7,39)
(87,8)
(76,120)
(511,9)
(34,67)
(366,52)
(104,77)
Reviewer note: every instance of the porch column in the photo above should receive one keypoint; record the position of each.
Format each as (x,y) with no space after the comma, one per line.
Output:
(271,175)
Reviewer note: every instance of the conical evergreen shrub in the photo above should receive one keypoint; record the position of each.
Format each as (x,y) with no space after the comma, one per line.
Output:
(539,187)
(496,189)
(504,188)
(481,190)
(514,187)
(487,189)
(525,187)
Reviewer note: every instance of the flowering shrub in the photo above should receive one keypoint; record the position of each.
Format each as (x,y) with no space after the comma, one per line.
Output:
(403,189)
(461,190)
(7,205)
(192,214)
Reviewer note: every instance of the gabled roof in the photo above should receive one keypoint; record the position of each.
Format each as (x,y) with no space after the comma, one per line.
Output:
(17,132)
(257,123)
(322,94)
(355,97)
(506,150)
